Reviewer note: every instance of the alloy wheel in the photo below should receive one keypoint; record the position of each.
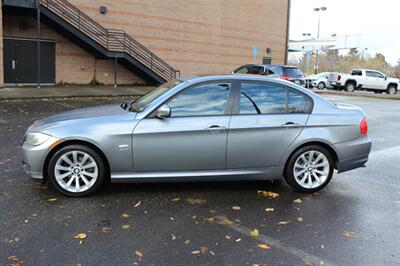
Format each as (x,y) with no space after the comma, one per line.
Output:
(311,169)
(76,171)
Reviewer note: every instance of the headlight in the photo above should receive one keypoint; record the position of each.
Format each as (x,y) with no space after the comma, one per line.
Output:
(36,138)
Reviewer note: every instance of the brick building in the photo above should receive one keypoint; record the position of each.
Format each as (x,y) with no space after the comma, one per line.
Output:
(76,43)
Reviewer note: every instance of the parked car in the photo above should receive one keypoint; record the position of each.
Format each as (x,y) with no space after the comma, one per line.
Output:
(289,73)
(365,79)
(319,81)
(210,128)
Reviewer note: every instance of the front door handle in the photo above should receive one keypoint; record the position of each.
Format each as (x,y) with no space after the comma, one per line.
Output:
(291,124)
(215,128)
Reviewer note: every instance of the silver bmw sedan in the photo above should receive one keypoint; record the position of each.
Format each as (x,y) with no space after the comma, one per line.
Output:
(204,128)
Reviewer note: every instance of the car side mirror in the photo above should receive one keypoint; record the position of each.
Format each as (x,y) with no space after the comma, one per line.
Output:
(385,77)
(163,111)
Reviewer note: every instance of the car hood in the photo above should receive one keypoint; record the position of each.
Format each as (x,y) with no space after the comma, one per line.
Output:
(77,114)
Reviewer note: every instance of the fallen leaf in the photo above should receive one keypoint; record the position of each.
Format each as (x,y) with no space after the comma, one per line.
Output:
(269,209)
(51,199)
(212,253)
(175,199)
(15,260)
(267,194)
(139,253)
(225,220)
(173,237)
(300,219)
(203,249)
(196,201)
(254,232)
(187,242)
(106,229)
(80,236)
(284,222)
(238,240)
(348,234)
(195,252)
(125,215)
(264,246)
(298,201)
(126,226)
(211,219)
(137,204)
(228,237)
(236,208)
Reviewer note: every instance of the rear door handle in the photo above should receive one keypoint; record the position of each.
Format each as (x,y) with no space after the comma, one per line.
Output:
(215,128)
(291,124)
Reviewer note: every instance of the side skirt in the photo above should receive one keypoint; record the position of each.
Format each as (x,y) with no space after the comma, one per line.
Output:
(270,173)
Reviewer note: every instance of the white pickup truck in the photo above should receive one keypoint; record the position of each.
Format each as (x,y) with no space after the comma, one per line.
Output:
(364,79)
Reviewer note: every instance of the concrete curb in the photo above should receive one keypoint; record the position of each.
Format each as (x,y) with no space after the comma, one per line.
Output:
(358,94)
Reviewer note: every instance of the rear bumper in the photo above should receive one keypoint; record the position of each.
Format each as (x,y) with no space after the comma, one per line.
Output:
(353,154)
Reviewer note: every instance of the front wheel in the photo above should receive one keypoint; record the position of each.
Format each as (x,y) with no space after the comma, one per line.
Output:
(391,90)
(309,169)
(76,171)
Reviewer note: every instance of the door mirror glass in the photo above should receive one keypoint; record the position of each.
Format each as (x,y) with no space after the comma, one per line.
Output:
(163,112)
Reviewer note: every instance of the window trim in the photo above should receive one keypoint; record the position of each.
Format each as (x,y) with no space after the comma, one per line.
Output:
(237,92)
(228,106)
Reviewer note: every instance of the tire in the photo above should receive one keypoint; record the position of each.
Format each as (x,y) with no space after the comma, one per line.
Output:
(307,181)
(392,90)
(321,86)
(80,171)
(350,86)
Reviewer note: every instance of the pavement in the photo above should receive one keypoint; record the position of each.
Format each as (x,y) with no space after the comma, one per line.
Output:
(62,92)
(353,221)
(71,92)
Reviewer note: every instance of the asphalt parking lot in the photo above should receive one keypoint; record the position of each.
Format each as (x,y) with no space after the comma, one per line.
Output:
(354,221)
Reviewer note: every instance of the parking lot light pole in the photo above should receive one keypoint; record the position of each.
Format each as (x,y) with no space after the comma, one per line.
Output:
(319,10)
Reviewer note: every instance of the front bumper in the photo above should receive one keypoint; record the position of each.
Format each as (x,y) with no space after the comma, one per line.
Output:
(33,157)
(353,154)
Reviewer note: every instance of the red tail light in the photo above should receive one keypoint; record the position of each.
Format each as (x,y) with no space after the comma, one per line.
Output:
(339,77)
(364,126)
(285,77)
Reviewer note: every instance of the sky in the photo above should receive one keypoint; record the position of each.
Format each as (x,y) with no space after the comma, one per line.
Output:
(371,24)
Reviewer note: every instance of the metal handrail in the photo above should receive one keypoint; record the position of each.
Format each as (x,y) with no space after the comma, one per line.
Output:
(112,39)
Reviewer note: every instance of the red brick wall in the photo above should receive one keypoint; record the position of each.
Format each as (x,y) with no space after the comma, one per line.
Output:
(74,65)
(1,48)
(196,36)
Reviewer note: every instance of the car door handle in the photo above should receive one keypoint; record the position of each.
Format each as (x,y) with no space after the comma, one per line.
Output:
(215,128)
(291,124)
(13,63)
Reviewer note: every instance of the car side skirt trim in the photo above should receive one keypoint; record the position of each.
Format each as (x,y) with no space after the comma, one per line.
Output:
(270,173)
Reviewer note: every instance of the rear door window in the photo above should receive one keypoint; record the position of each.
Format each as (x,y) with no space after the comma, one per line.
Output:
(259,98)
(298,103)
(243,70)
(257,70)
(292,72)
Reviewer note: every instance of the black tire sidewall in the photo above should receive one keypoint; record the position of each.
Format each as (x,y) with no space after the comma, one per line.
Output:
(91,152)
(289,177)
(391,87)
(347,87)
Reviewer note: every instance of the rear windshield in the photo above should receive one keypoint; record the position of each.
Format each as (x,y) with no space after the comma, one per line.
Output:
(292,72)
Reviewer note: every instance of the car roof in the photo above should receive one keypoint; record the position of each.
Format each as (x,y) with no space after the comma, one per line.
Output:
(268,65)
(235,76)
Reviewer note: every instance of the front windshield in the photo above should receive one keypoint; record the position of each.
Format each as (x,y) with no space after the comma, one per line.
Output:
(141,103)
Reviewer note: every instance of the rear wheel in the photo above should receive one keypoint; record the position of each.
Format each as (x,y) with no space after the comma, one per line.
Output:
(391,90)
(321,86)
(350,86)
(76,171)
(309,169)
